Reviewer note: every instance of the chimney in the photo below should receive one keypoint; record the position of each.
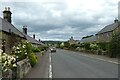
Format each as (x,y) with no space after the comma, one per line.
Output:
(7,14)
(34,36)
(25,29)
(116,20)
(39,40)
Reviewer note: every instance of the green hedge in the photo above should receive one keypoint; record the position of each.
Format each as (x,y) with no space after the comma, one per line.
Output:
(114,47)
(33,59)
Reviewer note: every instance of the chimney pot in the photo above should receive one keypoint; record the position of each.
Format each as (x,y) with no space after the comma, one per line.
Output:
(25,29)
(8,8)
(34,36)
(7,14)
(5,8)
(116,20)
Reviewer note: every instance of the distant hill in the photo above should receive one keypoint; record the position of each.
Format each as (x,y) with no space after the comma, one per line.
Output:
(52,42)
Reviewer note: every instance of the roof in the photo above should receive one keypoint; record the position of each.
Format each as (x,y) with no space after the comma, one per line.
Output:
(110,27)
(89,39)
(32,40)
(8,27)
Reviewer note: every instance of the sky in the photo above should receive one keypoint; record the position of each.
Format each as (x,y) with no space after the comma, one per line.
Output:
(60,19)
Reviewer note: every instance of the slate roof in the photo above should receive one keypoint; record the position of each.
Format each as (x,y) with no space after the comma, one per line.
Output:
(110,27)
(32,40)
(89,39)
(7,27)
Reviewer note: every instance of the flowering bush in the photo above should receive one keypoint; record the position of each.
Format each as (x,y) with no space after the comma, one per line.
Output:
(8,61)
(22,49)
(94,46)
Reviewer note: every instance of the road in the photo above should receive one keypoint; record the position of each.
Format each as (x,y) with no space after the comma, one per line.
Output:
(69,64)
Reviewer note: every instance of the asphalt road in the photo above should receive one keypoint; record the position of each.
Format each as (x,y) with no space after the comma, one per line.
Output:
(69,64)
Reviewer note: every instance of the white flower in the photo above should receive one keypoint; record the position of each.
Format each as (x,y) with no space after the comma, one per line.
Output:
(5,69)
(25,53)
(1,51)
(23,46)
(14,65)
(17,48)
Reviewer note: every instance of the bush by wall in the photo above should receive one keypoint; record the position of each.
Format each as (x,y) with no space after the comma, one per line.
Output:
(114,47)
(33,59)
(36,49)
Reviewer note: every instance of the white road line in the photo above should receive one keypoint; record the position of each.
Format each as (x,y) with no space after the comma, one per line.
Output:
(50,71)
(100,59)
(50,66)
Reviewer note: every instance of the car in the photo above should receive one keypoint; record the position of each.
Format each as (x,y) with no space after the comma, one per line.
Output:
(53,49)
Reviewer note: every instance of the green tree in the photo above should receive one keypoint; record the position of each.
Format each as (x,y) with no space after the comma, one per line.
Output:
(87,46)
(114,47)
(66,44)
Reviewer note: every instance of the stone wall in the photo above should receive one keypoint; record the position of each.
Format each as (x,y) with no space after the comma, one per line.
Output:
(104,37)
(23,67)
(10,40)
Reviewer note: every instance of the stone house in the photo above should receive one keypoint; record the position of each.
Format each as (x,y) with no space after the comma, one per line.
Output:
(9,34)
(72,41)
(105,35)
(32,40)
(89,39)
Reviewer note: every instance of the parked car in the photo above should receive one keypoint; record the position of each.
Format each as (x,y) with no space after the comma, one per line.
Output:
(53,49)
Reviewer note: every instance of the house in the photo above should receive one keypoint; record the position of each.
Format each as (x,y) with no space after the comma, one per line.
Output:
(105,35)
(72,41)
(9,35)
(32,40)
(88,39)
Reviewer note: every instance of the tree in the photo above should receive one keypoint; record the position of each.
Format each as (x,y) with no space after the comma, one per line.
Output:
(87,46)
(66,44)
(114,47)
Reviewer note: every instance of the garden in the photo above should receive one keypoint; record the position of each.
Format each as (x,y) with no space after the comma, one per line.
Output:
(20,51)
(110,49)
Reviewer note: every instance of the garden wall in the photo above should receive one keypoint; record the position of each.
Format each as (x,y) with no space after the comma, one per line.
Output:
(23,67)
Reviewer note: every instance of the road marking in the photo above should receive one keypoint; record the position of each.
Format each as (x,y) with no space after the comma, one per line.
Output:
(50,66)
(100,59)
(50,71)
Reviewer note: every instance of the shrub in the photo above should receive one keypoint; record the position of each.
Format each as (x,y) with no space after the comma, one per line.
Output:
(62,45)
(8,61)
(103,45)
(114,47)
(73,46)
(87,46)
(66,44)
(22,49)
(33,59)
(94,46)
(36,49)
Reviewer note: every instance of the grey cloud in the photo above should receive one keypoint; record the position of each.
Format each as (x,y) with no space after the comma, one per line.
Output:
(48,19)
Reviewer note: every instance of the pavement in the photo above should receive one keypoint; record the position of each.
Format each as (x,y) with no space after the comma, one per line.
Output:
(40,70)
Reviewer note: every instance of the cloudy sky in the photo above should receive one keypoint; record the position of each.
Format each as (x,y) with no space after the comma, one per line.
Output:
(61,19)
